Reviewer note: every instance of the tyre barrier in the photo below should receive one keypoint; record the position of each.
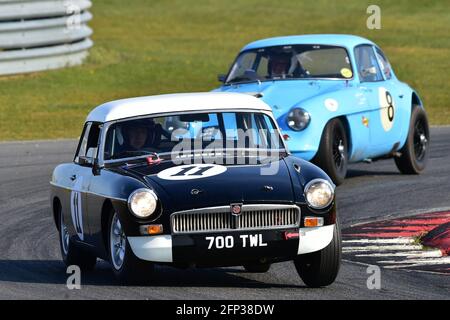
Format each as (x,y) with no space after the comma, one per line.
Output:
(37,35)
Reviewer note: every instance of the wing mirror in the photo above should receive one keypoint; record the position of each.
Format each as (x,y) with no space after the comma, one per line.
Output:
(96,168)
(90,162)
(222,78)
(85,161)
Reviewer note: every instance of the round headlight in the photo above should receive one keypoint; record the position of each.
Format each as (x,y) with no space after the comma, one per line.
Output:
(143,203)
(298,119)
(319,193)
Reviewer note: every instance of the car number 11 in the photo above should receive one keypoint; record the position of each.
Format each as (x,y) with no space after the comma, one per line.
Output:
(227,242)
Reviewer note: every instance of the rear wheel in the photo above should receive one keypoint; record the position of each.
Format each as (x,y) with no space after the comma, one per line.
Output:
(320,268)
(332,155)
(414,154)
(128,268)
(257,267)
(71,252)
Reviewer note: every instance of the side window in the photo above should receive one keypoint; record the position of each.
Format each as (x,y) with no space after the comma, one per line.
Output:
(384,64)
(87,149)
(367,64)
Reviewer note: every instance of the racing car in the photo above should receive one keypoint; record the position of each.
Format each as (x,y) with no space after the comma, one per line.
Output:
(193,180)
(336,98)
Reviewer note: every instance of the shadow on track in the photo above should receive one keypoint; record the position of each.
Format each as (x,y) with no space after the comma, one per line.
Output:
(54,272)
(354,173)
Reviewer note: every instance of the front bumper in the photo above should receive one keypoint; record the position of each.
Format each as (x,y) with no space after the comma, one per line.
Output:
(303,144)
(248,246)
(305,155)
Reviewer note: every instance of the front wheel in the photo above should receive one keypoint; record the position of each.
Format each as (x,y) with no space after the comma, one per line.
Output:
(320,268)
(414,154)
(127,268)
(332,155)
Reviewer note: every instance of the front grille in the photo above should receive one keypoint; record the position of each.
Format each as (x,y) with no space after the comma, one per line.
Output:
(217,219)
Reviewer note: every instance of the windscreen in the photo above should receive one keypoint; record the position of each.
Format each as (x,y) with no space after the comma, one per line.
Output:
(190,132)
(291,62)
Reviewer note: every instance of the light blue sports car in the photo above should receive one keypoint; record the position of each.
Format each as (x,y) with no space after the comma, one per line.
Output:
(337,100)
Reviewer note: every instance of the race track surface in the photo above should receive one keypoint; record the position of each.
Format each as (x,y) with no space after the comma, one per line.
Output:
(31,268)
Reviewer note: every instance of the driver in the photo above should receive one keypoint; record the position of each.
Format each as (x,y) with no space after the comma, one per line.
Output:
(279,65)
(141,134)
(137,137)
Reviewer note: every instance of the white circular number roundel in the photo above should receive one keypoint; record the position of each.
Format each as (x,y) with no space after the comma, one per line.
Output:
(331,104)
(387,111)
(191,171)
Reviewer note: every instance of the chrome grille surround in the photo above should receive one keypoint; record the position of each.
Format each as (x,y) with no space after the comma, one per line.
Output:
(220,219)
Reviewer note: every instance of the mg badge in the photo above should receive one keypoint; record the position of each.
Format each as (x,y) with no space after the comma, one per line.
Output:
(236,209)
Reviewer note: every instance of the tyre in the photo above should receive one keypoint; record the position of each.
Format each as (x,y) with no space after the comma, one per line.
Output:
(414,154)
(71,252)
(332,155)
(320,268)
(257,267)
(127,268)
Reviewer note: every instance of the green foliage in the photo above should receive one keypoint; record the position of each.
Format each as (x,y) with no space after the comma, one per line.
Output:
(147,47)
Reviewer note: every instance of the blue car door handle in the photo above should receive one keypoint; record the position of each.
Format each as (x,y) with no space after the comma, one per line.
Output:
(401,96)
(73,177)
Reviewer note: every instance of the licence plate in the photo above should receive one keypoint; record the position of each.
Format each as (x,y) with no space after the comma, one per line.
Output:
(240,241)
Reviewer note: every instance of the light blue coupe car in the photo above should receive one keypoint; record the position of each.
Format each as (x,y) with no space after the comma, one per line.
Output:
(337,100)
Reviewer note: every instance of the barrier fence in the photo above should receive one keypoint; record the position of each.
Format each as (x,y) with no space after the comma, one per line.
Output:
(37,35)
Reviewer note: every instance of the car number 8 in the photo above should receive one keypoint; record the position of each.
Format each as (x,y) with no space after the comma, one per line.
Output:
(220,242)
(390,109)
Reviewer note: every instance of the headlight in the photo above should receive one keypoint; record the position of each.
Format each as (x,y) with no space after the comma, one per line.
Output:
(319,193)
(142,203)
(298,119)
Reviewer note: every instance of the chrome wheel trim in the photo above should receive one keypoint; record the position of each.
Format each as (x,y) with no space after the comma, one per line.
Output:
(117,243)
(339,150)
(420,140)
(64,235)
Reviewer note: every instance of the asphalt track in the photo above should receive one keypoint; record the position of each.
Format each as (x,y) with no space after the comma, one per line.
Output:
(31,268)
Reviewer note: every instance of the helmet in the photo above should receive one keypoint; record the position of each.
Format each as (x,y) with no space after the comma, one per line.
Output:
(153,131)
(279,63)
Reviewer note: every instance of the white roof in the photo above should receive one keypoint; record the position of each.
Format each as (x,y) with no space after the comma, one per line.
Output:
(180,102)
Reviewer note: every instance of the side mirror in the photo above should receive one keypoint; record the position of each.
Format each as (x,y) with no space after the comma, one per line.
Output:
(85,161)
(222,78)
(96,168)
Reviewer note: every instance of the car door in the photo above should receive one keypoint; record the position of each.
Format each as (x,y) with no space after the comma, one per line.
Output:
(81,178)
(381,101)
(400,107)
